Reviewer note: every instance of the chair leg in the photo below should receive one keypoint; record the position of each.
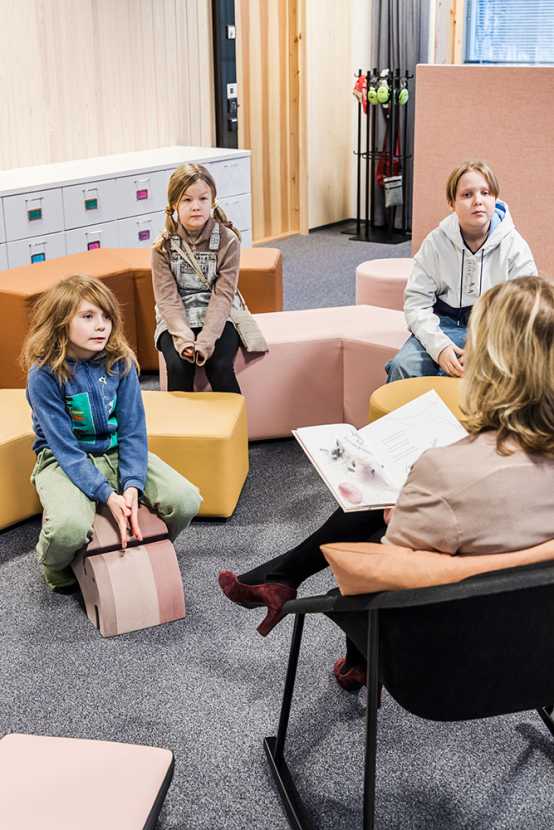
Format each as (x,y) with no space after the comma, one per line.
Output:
(546,715)
(373,703)
(274,746)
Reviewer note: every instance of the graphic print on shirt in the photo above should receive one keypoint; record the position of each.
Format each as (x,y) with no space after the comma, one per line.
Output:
(82,420)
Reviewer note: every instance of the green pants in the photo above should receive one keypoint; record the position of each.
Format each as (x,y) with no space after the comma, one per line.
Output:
(69,514)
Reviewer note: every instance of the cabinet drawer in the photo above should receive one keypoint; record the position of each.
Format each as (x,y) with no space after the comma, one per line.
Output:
(33,214)
(38,249)
(237,209)
(95,236)
(143,193)
(90,203)
(232,177)
(3,258)
(140,231)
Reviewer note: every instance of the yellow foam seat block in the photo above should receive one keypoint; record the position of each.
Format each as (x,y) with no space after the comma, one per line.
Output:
(391,396)
(18,498)
(202,435)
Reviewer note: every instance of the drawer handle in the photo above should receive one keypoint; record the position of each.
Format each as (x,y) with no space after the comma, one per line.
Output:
(95,242)
(34,208)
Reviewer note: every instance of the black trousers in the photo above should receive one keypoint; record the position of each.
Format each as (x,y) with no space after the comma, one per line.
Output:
(219,369)
(306,559)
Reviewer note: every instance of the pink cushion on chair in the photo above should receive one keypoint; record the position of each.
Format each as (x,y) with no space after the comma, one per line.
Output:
(68,783)
(381,282)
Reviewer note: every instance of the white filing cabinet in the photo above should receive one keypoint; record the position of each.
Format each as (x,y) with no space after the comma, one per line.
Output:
(108,202)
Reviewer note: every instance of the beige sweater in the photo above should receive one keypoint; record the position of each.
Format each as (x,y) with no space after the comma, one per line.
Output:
(170,309)
(467,497)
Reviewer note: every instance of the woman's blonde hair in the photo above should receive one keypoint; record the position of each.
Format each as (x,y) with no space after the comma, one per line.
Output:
(508,381)
(179,182)
(47,342)
(480,167)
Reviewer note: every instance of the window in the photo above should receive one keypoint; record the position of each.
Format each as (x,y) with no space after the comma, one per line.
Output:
(510,31)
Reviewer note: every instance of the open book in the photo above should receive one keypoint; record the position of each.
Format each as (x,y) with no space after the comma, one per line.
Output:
(365,469)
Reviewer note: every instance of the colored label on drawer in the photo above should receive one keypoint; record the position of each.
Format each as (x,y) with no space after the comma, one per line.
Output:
(92,245)
(33,214)
(91,204)
(142,194)
(38,257)
(143,236)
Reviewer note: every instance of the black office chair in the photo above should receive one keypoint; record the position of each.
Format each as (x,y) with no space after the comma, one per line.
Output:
(475,649)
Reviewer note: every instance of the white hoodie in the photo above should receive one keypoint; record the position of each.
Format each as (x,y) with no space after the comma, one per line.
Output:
(446,269)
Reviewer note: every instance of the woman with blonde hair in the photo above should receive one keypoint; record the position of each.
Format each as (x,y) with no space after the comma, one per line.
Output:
(490,492)
(90,429)
(195,272)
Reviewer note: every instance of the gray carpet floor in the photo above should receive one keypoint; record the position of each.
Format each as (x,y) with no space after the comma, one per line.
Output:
(209,687)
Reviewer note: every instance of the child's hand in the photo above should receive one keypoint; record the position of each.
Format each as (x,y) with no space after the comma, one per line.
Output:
(449,362)
(188,354)
(121,512)
(131,500)
(387,514)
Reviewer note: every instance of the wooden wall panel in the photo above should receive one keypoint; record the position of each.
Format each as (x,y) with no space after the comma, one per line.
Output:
(82,78)
(270,79)
(330,110)
(505,125)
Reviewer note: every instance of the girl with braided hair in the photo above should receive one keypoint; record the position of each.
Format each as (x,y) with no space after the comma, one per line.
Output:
(195,269)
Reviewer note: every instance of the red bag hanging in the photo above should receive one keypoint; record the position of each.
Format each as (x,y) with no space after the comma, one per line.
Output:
(385,165)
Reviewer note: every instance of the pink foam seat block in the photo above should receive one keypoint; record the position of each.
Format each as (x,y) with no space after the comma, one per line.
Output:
(69,783)
(128,590)
(381,282)
(302,380)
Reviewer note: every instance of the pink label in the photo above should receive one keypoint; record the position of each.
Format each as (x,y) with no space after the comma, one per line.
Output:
(92,245)
(143,235)
(142,194)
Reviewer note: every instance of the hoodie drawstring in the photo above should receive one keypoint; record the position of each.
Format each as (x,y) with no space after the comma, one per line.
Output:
(481,273)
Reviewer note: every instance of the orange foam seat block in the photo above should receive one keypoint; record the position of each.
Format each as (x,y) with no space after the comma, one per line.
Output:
(126,590)
(127,272)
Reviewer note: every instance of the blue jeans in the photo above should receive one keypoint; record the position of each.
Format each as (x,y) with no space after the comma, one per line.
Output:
(412,361)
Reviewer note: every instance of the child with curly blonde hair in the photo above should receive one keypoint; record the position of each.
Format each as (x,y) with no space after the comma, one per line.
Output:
(90,429)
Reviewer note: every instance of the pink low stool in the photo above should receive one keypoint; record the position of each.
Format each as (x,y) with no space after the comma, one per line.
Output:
(126,590)
(381,282)
(70,783)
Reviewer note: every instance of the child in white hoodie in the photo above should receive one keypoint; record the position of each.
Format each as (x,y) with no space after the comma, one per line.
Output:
(474,248)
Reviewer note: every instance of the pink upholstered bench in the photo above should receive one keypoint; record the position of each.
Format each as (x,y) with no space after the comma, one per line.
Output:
(68,783)
(322,366)
(381,282)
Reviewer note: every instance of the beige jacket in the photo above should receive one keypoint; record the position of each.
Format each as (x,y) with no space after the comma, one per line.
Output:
(467,497)
(210,311)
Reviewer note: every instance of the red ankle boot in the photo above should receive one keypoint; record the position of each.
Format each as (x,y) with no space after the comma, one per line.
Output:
(271,594)
(351,680)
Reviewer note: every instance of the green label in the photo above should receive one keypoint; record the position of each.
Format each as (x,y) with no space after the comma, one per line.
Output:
(91,204)
(34,213)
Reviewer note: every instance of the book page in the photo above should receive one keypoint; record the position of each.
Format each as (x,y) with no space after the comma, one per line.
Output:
(398,439)
(350,470)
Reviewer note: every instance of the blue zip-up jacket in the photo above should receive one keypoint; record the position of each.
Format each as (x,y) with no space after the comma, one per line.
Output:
(90,413)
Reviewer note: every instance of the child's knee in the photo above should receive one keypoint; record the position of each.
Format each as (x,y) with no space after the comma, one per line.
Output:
(61,539)
(184,508)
